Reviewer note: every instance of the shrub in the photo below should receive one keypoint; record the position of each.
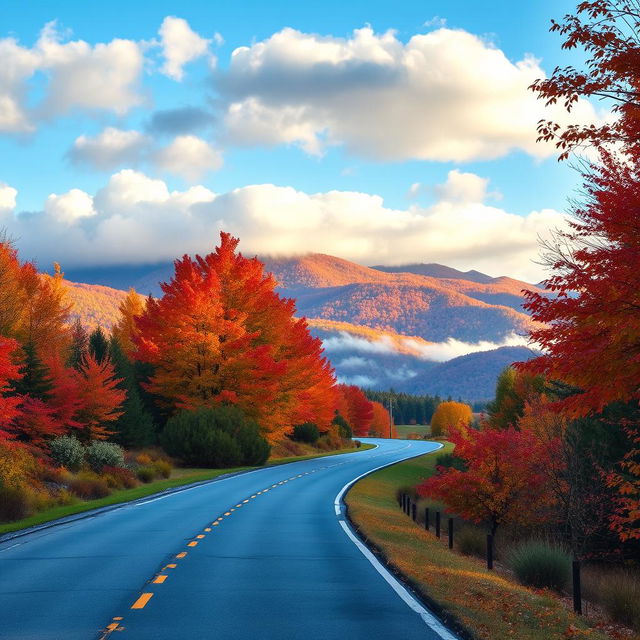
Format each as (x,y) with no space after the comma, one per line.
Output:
(146,474)
(119,478)
(345,430)
(67,451)
(471,541)
(540,564)
(101,454)
(17,466)
(144,459)
(89,486)
(357,443)
(450,461)
(163,468)
(288,448)
(617,591)
(306,432)
(14,503)
(220,437)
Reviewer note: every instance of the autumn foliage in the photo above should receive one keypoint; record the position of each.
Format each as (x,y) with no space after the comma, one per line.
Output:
(504,481)
(220,334)
(356,409)
(450,415)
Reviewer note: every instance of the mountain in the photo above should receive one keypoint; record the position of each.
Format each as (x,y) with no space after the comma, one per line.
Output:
(381,326)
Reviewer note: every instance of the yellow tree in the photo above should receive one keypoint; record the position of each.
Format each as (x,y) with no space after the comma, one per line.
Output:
(450,414)
(130,308)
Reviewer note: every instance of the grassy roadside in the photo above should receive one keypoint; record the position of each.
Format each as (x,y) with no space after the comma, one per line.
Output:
(486,604)
(180,477)
(404,430)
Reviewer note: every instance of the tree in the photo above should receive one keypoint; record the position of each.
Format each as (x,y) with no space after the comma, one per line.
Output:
(79,344)
(134,428)
(356,409)
(9,374)
(381,424)
(513,390)
(504,481)
(221,335)
(98,345)
(130,308)
(35,380)
(608,31)
(450,415)
(101,398)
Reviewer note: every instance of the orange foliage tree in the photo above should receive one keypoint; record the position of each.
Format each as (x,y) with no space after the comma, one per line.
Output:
(450,415)
(123,331)
(221,334)
(355,408)
(381,424)
(504,481)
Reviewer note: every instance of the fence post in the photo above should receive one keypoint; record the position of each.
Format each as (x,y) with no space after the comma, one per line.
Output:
(577,590)
(426,518)
(403,501)
(489,551)
(450,533)
(414,511)
(407,505)
(437,524)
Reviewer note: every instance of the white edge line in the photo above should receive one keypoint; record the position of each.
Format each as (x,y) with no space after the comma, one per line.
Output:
(427,617)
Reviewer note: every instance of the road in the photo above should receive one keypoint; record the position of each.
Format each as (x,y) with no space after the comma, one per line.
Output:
(264,555)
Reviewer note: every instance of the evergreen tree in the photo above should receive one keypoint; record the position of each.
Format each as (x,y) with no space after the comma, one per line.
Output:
(36,381)
(98,345)
(134,428)
(79,344)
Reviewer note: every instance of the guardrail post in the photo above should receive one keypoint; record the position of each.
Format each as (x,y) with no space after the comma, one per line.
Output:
(577,588)
(437,524)
(450,533)
(414,511)
(426,518)
(489,551)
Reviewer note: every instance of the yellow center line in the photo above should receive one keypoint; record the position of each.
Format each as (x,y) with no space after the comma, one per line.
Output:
(117,618)
(228,513)
(113,626)
(169,566)
(215,524)
(159,579)
(207,529)
(239,505)
(141,602)
(193,543)
(253,496)
(200,536)
(245,501)
(182,554)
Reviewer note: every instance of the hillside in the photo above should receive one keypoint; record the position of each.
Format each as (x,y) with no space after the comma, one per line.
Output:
(94,304)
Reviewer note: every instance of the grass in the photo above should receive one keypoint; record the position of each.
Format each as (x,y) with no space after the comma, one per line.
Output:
(405,429)
(180,477)
(486,604)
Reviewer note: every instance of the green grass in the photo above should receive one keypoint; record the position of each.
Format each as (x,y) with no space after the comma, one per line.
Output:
(486,603)
(405,429)
(180,477)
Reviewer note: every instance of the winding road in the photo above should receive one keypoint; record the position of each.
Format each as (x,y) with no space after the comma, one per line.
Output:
(261,555)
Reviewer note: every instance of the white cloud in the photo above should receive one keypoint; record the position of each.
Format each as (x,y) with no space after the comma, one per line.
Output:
(138,220)
(452,348)
(180,45)
(76,76)
(446,95)
(7,197)
(189,157)
(110,148)
(69,207)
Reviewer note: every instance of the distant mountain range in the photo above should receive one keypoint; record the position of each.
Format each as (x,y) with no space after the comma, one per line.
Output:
(423,328)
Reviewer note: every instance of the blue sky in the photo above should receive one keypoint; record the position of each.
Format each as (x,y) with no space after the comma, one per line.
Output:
(315,110)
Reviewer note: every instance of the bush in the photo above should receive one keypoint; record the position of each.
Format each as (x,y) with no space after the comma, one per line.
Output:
(542,565)
(163,468)
(617,591)
(146,474)
(89,486)
(345,430)
(101,454)
(220,437)
(14,503)
(119,478)
(306,432)
(357,443)
(450,461)
(67,451)
(471,541)
(144,459)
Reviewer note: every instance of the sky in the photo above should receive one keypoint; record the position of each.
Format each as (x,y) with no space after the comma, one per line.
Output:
(384,133)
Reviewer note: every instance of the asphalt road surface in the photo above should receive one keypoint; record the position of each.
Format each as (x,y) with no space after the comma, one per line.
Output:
(261,555)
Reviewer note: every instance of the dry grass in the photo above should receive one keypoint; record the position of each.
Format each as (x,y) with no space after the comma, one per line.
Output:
(488,605)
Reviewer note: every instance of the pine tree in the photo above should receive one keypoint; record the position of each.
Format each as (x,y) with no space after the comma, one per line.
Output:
(36,380)
(134,428)
(98,345)
(79,344)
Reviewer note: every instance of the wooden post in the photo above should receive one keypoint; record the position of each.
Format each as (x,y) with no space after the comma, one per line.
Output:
(489,551)
(437,524)
(450,533)
(577,588)
(414,511)
(426,518)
